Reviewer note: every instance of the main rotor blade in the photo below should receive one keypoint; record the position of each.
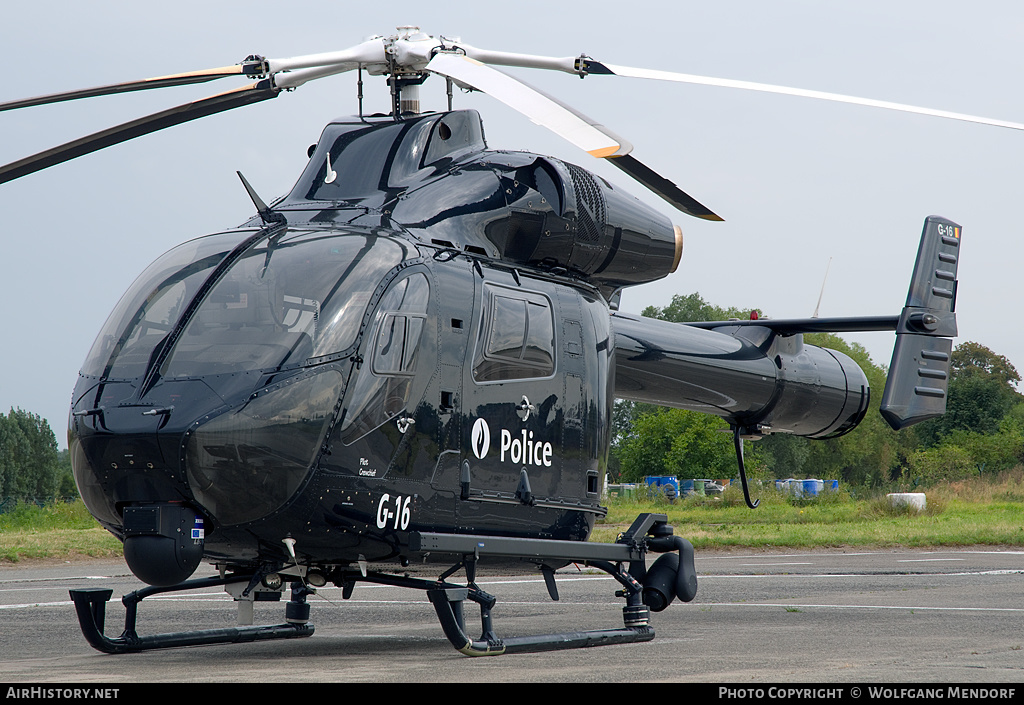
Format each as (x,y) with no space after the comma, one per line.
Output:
(596,67)
(564,121)
(663,187)
(137,128)
(178,79)
(540,108)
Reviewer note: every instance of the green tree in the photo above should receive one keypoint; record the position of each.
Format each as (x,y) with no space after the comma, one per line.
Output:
(624,416)
(13,448)
(982,391)
(983,427)
(30,465)
(66,487)
(677,442)
(782,455)
(692,308)
(971,359)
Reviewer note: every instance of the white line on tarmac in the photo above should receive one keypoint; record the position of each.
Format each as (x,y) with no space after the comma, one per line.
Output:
(928,560)
(60,579)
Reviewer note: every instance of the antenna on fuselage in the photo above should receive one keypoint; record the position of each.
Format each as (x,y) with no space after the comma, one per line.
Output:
(267,215)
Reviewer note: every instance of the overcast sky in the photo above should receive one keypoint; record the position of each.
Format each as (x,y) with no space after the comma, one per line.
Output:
(797,181)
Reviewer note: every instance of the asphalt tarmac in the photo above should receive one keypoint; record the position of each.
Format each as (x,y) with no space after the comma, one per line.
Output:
(833,617)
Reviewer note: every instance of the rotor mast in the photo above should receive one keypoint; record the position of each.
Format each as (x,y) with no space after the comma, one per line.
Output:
(405,76)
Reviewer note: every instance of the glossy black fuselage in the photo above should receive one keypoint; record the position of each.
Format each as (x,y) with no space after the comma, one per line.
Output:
(417,338)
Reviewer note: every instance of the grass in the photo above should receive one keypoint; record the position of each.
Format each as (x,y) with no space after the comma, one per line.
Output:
(987,512)
(61,530)
(981,512)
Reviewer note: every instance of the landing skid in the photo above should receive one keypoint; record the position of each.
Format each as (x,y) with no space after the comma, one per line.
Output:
(644,590)
(90,606)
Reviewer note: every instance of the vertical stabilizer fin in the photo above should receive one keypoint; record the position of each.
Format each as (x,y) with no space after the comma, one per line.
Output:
(919,372)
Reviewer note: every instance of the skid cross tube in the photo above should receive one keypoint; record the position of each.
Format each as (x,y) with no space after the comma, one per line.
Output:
(90,606)
(447,603)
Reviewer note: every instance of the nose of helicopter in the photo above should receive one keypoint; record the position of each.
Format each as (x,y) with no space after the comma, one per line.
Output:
(155,479)
(247,462)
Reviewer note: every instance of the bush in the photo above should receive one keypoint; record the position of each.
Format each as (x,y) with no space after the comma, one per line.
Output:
(946,462)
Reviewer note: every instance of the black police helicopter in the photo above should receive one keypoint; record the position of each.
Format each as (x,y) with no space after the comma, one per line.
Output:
(405,368)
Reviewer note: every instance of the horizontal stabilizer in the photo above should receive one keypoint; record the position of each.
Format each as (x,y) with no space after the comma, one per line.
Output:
(919,372)
(793,326)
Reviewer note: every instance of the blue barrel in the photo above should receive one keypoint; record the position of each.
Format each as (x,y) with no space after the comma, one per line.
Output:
(795,487)
(812,487)
(663,481)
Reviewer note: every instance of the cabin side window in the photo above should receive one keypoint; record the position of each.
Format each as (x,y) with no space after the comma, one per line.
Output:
(382,389)
(395,349)
(517,336)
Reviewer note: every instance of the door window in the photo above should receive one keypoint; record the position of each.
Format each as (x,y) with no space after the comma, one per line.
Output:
(517,336)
